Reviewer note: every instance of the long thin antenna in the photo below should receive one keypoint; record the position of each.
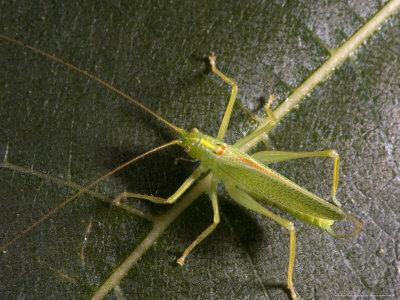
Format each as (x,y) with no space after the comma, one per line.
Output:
(177,129)
(85,189)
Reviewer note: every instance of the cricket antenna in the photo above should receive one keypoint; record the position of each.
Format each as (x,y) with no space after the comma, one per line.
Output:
(85,189)
(126,96)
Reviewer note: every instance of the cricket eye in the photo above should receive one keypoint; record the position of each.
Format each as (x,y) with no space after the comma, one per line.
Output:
(186,149)
(219,149)
(194,130)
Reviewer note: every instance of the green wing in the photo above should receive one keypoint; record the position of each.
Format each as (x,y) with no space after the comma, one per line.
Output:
(240,170)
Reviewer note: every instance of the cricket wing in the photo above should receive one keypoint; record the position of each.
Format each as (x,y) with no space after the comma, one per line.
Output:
(263,183)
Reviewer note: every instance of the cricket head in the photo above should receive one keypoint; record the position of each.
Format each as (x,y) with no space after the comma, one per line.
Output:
(201,146)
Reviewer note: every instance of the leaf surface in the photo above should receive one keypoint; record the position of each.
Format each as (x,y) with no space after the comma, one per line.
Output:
(62,124)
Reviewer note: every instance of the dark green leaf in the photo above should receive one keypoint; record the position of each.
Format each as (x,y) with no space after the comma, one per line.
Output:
(60,123)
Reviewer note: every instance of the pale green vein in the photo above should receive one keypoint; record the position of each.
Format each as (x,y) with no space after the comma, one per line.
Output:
(338,57)
(77,187)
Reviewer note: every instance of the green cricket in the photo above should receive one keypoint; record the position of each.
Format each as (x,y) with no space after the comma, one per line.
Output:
(245,177)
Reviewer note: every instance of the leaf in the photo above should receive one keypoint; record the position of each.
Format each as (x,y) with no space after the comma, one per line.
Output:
(59,123)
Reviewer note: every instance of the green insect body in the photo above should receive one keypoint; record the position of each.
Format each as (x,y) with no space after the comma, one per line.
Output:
(245,177)
(236,168)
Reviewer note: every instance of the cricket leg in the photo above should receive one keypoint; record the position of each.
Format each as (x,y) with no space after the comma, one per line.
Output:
(229,108)
(247,201)
(209,229)
(181,190)
(268,157)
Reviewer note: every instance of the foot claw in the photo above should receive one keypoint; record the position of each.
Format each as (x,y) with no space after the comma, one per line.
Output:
(212,59)
(293,293)
(181,261)
(270,113)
